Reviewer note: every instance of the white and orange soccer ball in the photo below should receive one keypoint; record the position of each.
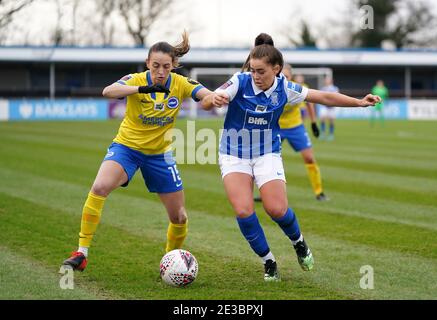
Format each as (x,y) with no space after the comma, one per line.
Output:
(178,268)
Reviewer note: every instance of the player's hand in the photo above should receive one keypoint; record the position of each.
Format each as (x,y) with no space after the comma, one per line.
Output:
(153,88)
(220,99)
(369,100)
(315,129)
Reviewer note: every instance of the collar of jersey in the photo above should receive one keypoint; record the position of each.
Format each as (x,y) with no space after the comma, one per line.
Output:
(268,92)
(149,83)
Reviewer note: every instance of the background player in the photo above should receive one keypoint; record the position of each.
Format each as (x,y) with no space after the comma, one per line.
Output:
(327,113)
(293,130)
(381,90)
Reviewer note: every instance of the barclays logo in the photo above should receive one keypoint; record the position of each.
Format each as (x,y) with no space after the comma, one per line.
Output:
(26,110)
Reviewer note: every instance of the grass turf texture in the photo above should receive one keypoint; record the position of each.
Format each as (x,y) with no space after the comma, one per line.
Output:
(382,183)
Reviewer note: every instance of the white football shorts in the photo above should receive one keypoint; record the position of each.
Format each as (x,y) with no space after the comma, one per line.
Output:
(327,112)
(263,169)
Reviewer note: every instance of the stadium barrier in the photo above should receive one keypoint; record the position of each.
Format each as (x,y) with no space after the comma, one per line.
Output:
(58,109)
(102,109)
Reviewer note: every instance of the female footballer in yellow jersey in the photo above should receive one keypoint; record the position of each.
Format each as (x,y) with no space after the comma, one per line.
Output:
(154,98)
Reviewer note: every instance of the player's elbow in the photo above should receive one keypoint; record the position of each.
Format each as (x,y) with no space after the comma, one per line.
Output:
(106,92)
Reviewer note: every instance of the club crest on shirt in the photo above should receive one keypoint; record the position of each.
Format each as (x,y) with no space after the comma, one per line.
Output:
(274,99)
(173,102)
(260,108)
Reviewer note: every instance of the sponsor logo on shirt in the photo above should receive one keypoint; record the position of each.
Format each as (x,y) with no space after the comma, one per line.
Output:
(257,121)
(159,106)
(156,121)
(260,108)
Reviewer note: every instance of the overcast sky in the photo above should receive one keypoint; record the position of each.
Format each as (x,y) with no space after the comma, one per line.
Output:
(211,23)
(238,22)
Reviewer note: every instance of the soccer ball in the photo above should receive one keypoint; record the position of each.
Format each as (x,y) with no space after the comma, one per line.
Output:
(178,268)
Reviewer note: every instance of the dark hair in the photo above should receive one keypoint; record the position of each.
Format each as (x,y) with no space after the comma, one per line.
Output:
(264,38)
(175,52)
(264,48)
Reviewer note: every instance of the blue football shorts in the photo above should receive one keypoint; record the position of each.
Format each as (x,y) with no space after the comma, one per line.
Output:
(159,170)
(297,137)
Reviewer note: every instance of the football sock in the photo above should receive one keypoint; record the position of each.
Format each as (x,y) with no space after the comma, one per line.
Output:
(331,129)
(315,177)
(91,214)
(84,250)
(322,126)
(254,234)
(269,256)
(176,234)
(300,239)
(289,225)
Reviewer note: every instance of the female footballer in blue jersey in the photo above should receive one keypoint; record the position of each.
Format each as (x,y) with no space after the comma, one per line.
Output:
(154,98)
(250,148)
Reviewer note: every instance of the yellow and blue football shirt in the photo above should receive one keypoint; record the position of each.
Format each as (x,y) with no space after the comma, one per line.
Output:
(149,116)
(291,116)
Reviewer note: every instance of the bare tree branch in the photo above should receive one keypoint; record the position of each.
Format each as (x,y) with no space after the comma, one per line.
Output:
(9,8)
(140,15)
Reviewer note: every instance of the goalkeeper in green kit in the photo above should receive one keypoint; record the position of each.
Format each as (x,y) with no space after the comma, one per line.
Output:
(380,90)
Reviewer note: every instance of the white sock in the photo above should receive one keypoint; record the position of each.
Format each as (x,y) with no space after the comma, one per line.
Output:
(300,239)
(269,256)
(84,250)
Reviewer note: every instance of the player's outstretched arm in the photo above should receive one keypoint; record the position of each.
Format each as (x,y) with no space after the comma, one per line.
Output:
(117,90)
(340,100)
(215,99)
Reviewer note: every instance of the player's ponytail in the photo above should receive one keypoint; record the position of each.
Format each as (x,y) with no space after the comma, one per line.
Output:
(175,52)
(181,49)
(264,38)
(261,39)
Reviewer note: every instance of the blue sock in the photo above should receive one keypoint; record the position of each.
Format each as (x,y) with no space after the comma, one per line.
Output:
(331,129)
(289,225)
(322,126)
(254,234)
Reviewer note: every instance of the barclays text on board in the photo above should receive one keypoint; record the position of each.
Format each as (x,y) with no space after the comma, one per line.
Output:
(101,109)
(61,109)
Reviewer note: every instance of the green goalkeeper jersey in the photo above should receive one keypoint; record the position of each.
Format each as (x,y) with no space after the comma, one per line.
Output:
(383,93)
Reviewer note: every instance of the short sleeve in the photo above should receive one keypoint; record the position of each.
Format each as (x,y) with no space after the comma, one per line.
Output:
(230,87)
(129,80)
(191,87)
(296,93)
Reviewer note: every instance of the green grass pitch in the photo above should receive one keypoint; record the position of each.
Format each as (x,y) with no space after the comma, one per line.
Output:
(382,182)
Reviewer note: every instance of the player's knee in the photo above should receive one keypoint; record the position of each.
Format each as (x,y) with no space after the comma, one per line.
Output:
(309,159)
(101,189)
(276,210)
(243,211)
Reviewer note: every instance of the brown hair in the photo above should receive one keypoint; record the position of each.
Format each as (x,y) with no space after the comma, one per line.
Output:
(175,52)
(264,48)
